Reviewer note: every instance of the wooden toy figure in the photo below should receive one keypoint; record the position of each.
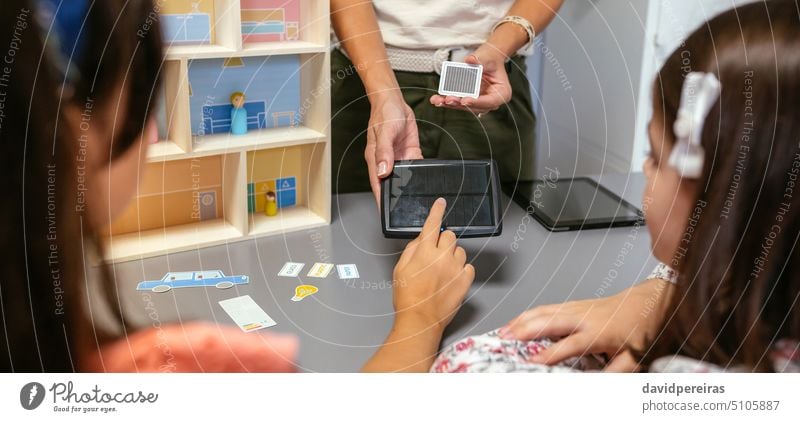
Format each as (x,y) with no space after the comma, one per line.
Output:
(271,204)
(238,114)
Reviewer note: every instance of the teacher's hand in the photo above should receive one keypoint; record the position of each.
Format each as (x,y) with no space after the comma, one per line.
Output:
(495,86)
(392,135)
(432,276)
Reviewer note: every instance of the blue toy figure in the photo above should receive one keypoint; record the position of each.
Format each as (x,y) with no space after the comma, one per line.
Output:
(238,114)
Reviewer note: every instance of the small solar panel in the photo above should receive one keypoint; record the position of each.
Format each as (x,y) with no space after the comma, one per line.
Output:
(471,188)
(460,79)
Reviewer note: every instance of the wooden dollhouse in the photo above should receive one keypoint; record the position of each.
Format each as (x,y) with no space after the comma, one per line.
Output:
(203,186)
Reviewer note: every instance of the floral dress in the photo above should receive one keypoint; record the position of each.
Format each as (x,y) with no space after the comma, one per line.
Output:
(491,353)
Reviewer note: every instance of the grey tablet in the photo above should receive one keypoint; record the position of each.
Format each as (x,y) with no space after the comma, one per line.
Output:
(574,204)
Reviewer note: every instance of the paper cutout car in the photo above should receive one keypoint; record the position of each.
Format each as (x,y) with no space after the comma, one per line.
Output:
(177,280)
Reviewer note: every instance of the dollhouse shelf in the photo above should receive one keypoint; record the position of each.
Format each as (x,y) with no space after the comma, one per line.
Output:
(296,218)
(187,237)
(196,190)
(164,150)
(256,49)
(286,47)
(255,139)
(226,143)
(180,238)
(176,52)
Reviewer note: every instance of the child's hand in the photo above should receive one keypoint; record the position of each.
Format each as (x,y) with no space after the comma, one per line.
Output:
(430,282)
(432,276)
(608,325)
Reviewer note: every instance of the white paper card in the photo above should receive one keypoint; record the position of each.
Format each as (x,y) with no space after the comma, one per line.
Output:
(291,269)
(246,313)
(320,270)
(347,271)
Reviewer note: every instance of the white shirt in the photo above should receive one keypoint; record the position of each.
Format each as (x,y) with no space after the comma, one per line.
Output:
(434,24)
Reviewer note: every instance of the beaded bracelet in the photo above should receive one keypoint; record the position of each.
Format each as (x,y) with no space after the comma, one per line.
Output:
(519,20)
(664,272)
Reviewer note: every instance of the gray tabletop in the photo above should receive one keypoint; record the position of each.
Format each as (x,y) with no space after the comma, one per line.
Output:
(343,324)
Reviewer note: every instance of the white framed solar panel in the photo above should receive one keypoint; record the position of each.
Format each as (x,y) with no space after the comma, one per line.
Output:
(460,79)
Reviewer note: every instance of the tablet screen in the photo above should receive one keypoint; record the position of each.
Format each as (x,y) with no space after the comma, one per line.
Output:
(468,186)
(576,201)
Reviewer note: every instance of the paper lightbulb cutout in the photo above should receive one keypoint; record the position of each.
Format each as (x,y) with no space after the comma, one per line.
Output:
(303,291)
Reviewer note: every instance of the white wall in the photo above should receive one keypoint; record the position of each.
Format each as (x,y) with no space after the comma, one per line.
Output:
(595,65)
(591,60)
(672,21)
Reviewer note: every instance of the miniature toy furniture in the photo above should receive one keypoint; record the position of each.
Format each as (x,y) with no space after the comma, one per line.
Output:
(199,186)
(269,20)
(187,28)
(186,22)
(284,118)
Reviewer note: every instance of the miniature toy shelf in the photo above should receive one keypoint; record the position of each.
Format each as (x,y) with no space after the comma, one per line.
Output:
(170,239)
(175,52)
(174,213)
(257,139)
(248,50)
(308,164)
(237,28)
(296,218)
(164,150)
(302,165)
(287,47)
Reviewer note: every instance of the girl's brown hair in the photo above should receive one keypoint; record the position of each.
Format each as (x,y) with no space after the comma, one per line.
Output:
(43,237)
(739,267)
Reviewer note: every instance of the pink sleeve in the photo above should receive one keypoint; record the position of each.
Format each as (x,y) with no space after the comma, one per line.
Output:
(196,347)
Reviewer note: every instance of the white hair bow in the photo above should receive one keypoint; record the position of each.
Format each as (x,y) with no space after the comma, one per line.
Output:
(700,92)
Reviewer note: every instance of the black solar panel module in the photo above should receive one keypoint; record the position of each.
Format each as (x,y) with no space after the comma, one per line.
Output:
(460,79)
(471,188)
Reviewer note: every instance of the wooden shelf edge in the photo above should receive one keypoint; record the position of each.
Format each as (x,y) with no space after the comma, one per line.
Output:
(281,48)
(177,52)
(289,220)
(277,48)
(256,140)
(185,237)
(164,150)
(123,248)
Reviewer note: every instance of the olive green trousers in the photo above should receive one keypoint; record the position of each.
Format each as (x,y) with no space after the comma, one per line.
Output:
(505,135)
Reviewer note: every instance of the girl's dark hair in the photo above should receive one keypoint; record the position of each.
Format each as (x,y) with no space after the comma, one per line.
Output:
(739,280)
(44,237)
